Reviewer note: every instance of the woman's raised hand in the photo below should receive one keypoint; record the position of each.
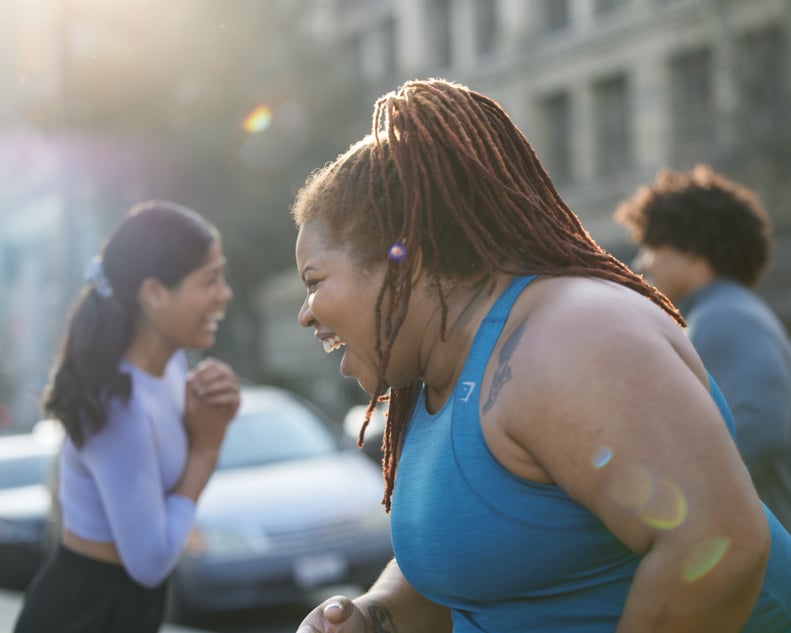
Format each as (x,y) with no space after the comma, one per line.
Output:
(212,401)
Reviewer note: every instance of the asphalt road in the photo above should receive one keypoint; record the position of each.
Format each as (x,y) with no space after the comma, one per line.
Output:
(277,620)
(284,619)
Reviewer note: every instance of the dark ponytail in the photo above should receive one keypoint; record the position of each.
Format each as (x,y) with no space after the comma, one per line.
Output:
(159,240)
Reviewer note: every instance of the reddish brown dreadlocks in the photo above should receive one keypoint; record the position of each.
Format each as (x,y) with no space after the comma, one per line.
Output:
(447,176)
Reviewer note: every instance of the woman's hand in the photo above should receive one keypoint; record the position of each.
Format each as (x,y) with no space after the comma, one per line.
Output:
(390,605)
(212,399)
(335,615)
(212,402)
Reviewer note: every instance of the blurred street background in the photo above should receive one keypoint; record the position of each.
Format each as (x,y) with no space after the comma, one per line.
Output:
(227,105)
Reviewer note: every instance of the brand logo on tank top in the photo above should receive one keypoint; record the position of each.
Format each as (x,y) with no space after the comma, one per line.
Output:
(467,389)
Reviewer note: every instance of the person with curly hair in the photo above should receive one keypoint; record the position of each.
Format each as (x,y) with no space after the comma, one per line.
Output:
(556,457)
(705,241)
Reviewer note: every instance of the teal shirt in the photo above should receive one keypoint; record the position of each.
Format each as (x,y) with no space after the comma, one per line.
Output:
(507,554)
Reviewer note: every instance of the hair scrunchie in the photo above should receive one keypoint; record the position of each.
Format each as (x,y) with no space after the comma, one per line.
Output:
(94,275)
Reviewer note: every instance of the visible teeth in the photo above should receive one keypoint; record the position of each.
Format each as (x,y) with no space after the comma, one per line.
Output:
(211,321)
(331,343)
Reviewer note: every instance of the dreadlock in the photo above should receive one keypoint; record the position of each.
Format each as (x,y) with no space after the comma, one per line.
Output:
(446,176)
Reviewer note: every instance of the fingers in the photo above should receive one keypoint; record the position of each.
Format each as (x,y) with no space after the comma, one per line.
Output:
(211,372)
(329,617)
(337,609)
(215,383)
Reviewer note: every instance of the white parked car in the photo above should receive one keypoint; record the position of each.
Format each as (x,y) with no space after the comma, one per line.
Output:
(27,466)
(293,507)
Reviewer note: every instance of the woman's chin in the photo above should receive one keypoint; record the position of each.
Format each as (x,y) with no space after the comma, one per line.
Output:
(368,391)
(367,380)
(366,383)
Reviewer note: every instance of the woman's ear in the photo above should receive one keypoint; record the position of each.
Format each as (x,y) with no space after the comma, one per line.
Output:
(151,294)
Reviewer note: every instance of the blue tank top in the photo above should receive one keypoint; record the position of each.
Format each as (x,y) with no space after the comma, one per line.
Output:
(506,554)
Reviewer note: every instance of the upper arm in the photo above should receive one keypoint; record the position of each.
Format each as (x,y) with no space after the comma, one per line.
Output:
(626,426)
(148,527)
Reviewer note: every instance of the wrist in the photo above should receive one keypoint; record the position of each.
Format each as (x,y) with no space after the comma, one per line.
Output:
(208,454)
(371,609)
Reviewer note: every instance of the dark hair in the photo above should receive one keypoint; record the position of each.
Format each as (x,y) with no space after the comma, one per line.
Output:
(447,175)
(157,239)
(702,213)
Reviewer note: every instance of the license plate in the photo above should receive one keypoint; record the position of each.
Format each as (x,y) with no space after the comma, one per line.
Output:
(321,569)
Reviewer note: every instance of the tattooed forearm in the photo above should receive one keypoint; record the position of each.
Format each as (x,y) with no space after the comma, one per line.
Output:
(381,619)
(503,372)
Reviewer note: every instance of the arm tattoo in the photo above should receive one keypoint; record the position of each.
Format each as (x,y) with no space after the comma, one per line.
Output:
(503,372)
(381,619)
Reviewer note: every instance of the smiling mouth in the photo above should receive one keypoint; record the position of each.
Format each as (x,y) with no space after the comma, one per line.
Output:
(331,343)
(213,320)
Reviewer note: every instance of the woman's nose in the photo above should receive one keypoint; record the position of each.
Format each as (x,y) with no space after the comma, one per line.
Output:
(305,316)
(227,292)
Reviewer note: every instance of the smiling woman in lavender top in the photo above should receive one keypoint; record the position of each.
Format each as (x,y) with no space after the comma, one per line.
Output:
(142,432)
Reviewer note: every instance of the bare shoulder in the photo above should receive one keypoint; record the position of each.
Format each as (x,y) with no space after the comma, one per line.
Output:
(578,356)
(602,387)
(572,334)
(577,324)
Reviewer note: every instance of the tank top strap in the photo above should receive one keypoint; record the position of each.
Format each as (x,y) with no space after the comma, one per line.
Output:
(502,307)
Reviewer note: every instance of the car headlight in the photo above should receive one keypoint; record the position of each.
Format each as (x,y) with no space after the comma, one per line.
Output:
(207,540)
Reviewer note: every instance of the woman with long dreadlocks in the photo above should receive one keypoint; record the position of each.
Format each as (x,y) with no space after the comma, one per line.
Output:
(564,462)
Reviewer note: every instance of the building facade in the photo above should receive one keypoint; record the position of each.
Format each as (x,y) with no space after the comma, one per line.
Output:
(53,197)
(607,91)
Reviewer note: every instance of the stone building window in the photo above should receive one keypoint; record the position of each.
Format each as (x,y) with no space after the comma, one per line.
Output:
(485,26)
(691,103)
(612,121)
(606,6)
(353,49)
(556,14)
(389,46)
(439,32)
(555,112)
(761,78)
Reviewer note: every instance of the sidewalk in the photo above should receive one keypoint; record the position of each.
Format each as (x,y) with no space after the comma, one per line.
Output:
(11,602)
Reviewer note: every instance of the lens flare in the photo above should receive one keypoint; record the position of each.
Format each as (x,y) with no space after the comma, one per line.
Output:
(632,487)
(397,252)
(659,502)
(601,457)
(667,507)
(705,557)
(258,120)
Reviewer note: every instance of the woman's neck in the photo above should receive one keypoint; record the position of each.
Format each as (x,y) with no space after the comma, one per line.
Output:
(468,305)
(149,353)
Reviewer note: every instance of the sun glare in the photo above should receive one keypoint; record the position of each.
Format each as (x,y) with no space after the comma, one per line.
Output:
(258,120)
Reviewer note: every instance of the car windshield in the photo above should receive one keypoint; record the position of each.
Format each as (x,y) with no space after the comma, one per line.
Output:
(24,471)
(282,430)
